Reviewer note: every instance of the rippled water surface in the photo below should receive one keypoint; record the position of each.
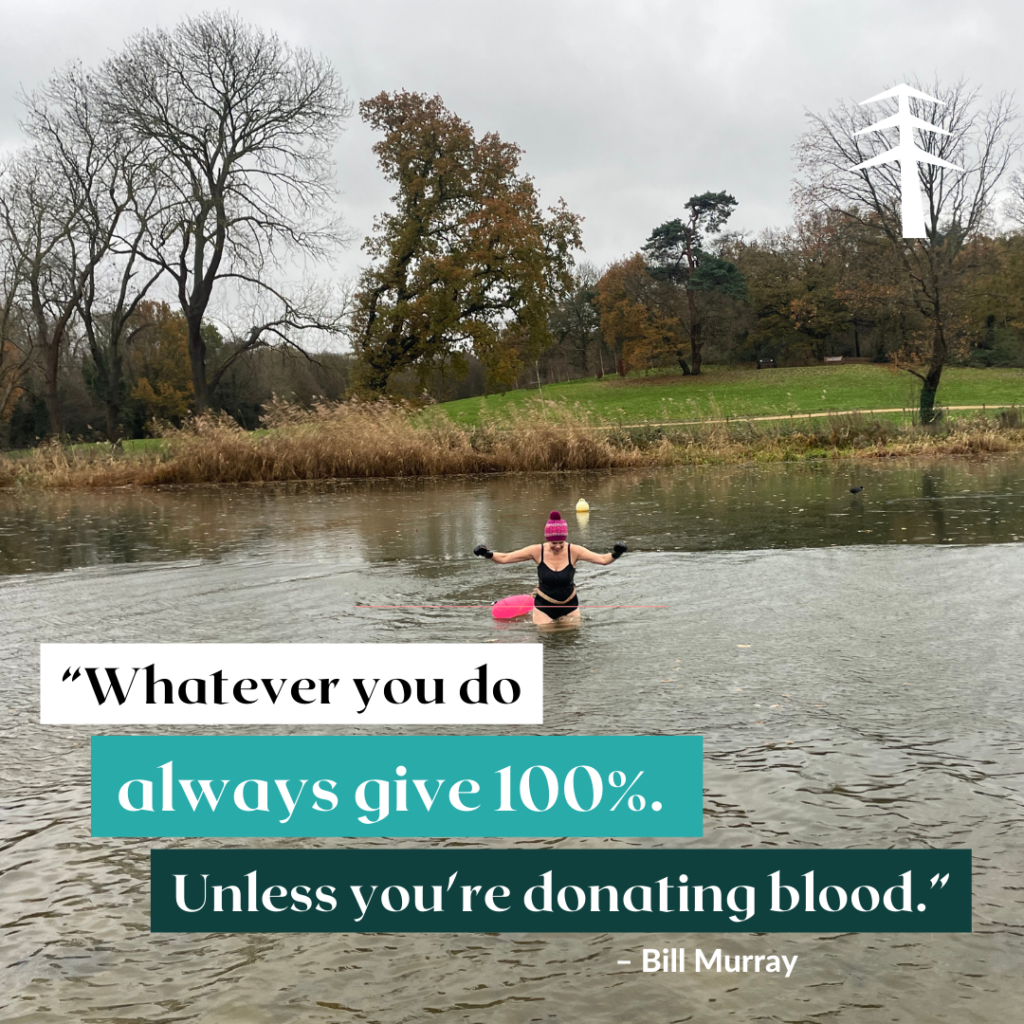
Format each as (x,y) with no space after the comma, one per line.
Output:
(852,661)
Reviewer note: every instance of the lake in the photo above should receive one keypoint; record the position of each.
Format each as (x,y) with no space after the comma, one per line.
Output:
(853,662)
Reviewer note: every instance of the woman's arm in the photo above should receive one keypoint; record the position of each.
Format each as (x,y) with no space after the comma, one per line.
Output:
(522,555)
(585,555)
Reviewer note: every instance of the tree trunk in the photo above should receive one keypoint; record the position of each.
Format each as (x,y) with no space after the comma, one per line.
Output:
(940,351)
(695,338)
(197,357)
(681,359)
(930,385)
(929,389)
(51,365)
(113,388)
(696,344)
(113,422)
(108,371)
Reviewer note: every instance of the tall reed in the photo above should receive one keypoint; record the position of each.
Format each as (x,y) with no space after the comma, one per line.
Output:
(360,439)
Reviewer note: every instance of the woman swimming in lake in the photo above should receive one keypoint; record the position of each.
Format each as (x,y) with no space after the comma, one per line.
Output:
(555,597)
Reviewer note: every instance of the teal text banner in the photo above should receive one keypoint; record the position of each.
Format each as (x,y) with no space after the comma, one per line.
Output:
(455,786)
(635,890)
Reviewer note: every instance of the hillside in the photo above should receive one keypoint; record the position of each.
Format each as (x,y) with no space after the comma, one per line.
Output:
(721,391)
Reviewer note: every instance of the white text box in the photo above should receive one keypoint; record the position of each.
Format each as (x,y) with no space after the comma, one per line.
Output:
(291,684)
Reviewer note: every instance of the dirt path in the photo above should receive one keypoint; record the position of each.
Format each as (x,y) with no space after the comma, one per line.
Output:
(796,416)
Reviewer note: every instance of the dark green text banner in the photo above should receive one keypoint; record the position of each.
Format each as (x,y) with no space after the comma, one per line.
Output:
(561,890)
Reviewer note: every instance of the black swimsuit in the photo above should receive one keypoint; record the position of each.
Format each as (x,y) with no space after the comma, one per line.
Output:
(556,585)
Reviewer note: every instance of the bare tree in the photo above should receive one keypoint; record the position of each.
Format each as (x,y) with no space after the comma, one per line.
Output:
(273,318)
(110,301)
(980,139)
(15,353)
(61,205)
(575,322)
(244,128)
(109,181)
(1014,206)
(38,218)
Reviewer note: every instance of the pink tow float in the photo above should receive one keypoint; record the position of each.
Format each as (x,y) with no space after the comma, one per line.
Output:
(513,607)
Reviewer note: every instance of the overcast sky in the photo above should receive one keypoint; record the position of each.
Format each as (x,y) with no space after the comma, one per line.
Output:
(626,109)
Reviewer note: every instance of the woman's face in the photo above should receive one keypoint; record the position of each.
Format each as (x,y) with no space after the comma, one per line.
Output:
(556,546)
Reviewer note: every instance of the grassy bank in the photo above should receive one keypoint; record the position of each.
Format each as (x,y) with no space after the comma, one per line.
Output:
(721,391)
(358,440)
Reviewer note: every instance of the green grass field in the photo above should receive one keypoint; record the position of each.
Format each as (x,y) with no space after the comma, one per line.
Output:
(134,446)
(720,391)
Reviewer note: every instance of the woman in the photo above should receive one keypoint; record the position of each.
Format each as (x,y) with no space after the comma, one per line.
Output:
(555,597)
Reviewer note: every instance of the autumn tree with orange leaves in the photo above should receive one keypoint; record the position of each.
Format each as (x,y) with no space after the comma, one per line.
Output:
(466,260)
(637,320)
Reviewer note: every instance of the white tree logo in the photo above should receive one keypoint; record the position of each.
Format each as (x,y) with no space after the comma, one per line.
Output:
(907,153)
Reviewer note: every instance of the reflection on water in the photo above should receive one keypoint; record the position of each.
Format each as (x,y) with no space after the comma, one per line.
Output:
(714,508)
(853,662)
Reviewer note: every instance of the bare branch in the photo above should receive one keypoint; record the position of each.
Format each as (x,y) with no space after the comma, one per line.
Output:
(958,204)
(242,128)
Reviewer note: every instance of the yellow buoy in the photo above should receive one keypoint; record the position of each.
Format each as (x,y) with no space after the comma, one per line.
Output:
(582,506)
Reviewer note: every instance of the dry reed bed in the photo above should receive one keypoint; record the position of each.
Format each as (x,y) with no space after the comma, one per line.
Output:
(377,440)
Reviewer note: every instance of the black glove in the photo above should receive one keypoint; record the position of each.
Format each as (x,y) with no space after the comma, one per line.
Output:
(483,551)
(619,549)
